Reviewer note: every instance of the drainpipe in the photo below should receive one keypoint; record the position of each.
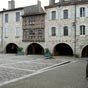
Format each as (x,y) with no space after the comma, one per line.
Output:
(2,33)
(75,30)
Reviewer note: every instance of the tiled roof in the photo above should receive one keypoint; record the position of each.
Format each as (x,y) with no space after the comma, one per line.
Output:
(67,3)
(34,9)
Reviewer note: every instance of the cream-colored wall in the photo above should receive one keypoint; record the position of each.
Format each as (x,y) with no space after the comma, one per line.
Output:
(59,23)
(11,26)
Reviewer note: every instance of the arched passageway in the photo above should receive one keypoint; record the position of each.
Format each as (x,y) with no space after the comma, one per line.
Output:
(35,49)
(85,51)
(63,49)
(11,48)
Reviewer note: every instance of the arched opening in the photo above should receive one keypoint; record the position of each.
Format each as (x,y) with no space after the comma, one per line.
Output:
(11,48)
(63,49)
(35,49)
(85,51)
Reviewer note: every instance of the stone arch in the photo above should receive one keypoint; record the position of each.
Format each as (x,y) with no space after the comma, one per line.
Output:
(11,48)
(63,49)
(85,51)
(35,49)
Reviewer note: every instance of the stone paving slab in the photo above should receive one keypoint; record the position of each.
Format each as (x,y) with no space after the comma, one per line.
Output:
(6,61)
(14,67)
(28,66)
(49,61)
(7,74)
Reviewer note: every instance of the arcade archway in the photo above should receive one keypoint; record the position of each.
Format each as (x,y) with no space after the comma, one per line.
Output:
(11,48)
(63,49)
(35,49)
(85,51)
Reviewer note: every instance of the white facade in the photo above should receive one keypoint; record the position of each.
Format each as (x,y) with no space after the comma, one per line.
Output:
(11,31)
(60,23)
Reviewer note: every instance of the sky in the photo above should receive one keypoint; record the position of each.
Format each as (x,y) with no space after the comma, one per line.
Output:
(22,3)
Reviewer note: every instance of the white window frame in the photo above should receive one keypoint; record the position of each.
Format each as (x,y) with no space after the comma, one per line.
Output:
(53,15)
(53,29)
(82,11)
(65,31)
(65,14)
(17,32)
(6,32)
(6,18)
(82,29)
(17,16)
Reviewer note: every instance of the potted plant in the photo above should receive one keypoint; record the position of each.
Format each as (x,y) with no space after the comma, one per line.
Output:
(20,51)
(47,53)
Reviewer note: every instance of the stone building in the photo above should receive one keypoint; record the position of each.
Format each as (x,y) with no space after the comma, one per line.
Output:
(34,29)
(63,29)
(66,27)
(11,28)
(15,28)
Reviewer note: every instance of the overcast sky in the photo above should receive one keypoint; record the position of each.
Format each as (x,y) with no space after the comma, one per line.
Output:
(21,3)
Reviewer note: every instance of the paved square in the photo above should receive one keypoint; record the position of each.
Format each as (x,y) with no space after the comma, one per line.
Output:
(14,67)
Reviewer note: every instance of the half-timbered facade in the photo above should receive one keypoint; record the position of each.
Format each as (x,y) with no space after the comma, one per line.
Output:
(34,25)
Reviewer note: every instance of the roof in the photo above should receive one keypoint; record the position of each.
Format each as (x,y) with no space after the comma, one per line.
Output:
(20,8)
(34,9)
(67,3)
(28,10)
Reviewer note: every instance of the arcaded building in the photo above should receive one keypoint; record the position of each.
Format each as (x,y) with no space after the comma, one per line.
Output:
(34,29)
(66,27)
(10,28)
(22,27)
(62,27)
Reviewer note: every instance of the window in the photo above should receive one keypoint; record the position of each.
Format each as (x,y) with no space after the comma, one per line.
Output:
(65,14)
(31,19)
(6,18)
(53,16)
(82,12)
(53,31)
(17,16)
(65,31)
(6,33)
(17,33)
(82,30)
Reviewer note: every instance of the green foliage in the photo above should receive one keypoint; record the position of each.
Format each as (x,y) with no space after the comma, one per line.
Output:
(20,49)
(47,50)
(47,53)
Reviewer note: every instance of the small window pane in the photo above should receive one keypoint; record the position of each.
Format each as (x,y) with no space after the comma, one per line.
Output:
(6,18)
(53,15)
(17,16)
(82,30)
(65,31)
(53,31)
(65,14)
(82,12)
(17,31)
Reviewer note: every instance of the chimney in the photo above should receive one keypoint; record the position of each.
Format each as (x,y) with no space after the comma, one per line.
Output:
(11,4)
(51,2)
(39,5)
(61,1)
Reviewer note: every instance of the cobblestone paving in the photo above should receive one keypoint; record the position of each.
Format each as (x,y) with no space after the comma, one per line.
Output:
(12,66)
(7,74)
